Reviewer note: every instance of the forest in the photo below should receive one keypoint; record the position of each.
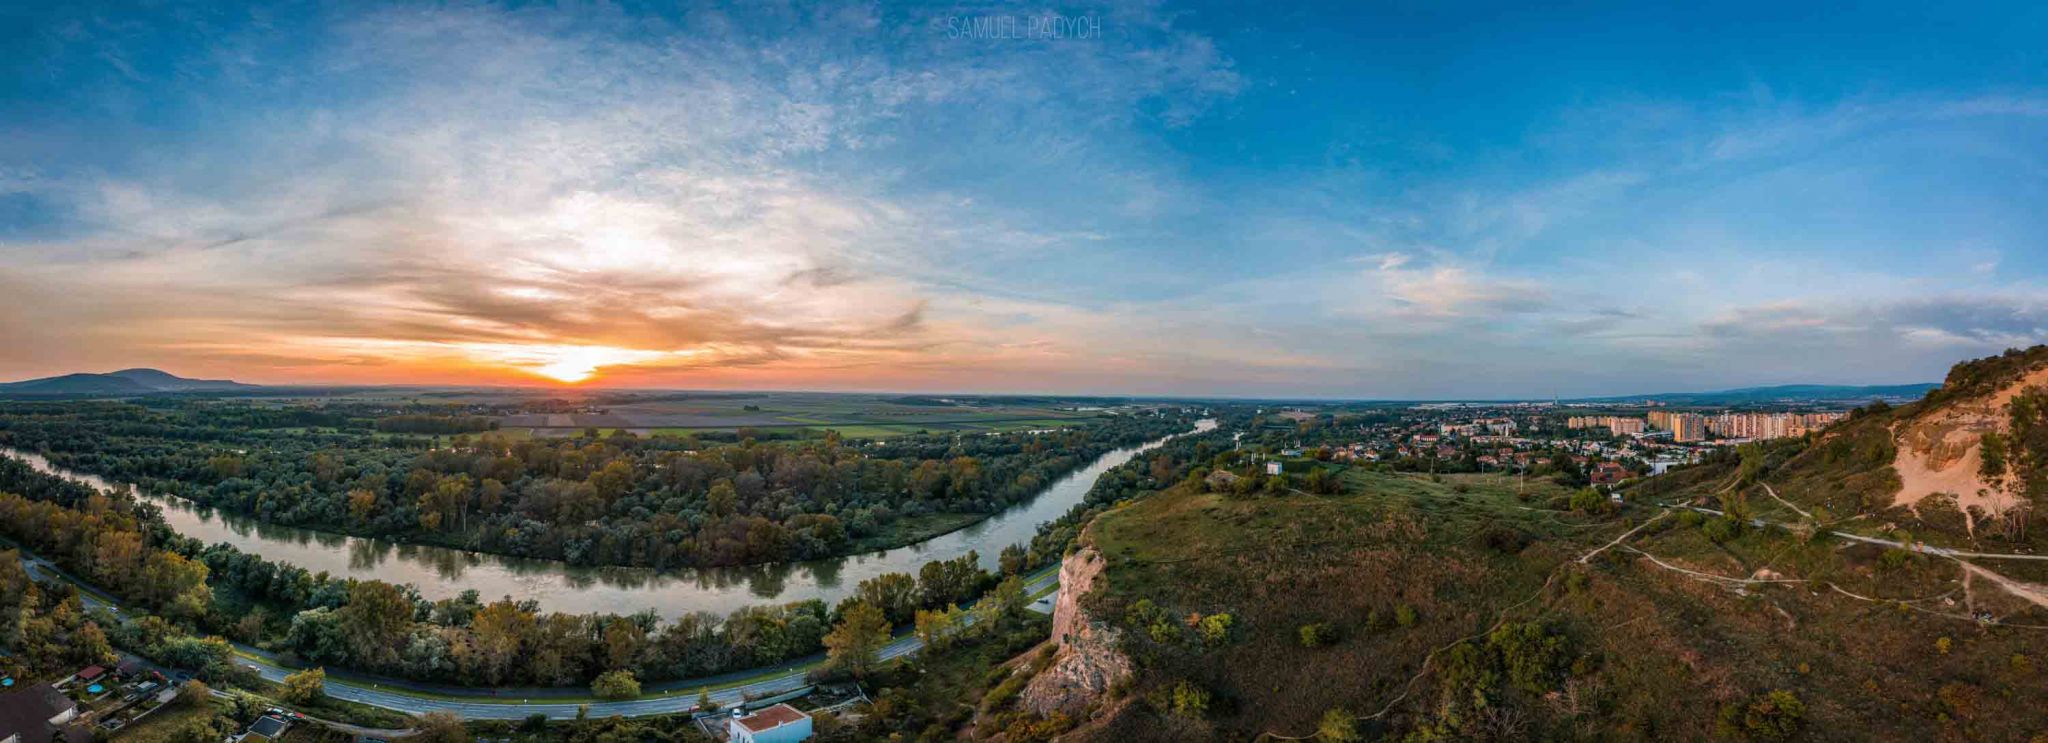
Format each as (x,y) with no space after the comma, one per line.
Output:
(657,501)
(188,591)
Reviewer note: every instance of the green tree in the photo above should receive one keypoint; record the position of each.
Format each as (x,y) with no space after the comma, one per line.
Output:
(1338,726)
(705,703)
(617,684)
(857,642)
(937,628)
(1214,629)
(1190,700)
(304,687)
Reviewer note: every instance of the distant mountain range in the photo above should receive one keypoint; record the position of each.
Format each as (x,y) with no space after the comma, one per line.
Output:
(1822,392)
(124,382)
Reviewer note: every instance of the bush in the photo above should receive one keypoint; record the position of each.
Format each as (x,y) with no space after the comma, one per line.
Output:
(304,687)
(618,684)
(1318,634)
(1214,629)
(1721,529)
(1773,716)
(1406,616)
(1190,700)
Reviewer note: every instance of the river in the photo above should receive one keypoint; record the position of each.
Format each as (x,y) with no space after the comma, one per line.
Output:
(440,572)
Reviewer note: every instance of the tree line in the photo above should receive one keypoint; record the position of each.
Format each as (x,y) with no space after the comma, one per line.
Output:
(661,501)
(121,545)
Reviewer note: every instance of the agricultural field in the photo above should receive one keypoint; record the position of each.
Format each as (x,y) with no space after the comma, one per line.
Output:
(852,416)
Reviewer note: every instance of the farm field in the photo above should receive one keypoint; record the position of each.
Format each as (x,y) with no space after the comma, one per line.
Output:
(852,416)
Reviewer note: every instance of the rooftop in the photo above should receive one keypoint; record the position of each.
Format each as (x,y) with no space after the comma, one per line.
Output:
(772,718)
(28,712)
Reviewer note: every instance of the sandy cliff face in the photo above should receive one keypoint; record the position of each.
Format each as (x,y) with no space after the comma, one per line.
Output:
(1941,452)
(1088,662)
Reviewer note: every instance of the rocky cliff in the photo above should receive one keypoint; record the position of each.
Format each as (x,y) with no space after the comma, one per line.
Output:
(1088,662)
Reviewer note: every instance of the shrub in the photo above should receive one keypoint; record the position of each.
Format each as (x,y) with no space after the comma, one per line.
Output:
(1318,634)
(619,684)
(1405,615)
(1190,700)
(1773,716)
(304,687)
(1722,529)
(1214,629)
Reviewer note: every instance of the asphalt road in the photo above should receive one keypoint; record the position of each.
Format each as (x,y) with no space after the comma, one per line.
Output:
(486,704)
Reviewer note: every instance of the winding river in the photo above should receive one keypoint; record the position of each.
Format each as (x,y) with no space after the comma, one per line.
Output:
(440,572)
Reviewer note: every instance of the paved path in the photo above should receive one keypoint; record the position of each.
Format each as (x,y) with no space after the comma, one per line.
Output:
(506,704)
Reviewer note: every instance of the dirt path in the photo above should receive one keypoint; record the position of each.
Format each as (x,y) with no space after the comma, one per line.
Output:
(2033,594)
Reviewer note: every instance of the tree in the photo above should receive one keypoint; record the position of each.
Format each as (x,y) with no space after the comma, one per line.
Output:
(1214,629)
(705,703)
(376,619)
(855,644)
(304,687)
(194,693)
(1338,726)
(619,684)
(937,628)
(1012,559)
(89,645)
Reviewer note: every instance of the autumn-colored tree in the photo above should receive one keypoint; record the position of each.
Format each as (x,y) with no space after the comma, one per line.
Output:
(619,684)
(304,687)
(855,645)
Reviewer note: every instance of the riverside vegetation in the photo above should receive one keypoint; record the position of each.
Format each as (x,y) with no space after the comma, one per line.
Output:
(194,595)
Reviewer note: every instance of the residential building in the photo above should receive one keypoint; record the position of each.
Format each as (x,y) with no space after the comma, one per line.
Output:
(1688,427)
(34,714)
(269,727)
(778,724)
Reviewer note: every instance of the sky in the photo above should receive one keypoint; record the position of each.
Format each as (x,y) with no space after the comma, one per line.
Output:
(1354,200)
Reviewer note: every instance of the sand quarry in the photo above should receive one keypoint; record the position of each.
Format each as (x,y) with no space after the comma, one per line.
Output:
(1941,453)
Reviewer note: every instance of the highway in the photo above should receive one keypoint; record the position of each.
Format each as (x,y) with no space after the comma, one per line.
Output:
(673,697)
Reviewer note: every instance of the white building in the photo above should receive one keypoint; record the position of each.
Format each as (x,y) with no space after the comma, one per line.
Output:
(1272,468)
(778,724)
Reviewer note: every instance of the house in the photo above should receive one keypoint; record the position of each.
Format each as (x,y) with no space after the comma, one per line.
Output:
(269,727)
(1272,468)
(1608,473)
(130,667)
(33,715)
(778,724)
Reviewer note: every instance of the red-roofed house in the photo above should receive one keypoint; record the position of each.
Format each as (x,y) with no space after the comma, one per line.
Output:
(778,724)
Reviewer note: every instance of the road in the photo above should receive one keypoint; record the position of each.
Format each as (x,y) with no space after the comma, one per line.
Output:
(504,704)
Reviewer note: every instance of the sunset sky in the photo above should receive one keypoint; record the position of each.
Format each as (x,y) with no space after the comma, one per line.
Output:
(1412,200)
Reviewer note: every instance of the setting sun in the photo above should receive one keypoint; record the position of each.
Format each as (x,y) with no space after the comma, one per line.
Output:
(566,364)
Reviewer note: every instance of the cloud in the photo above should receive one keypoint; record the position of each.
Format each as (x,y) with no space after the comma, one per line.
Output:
(554,189)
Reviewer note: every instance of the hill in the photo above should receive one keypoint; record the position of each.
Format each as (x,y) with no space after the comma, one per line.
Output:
(1831,587)
(120,383)
(1783,393)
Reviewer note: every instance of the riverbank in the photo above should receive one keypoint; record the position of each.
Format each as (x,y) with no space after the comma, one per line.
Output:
(439,573)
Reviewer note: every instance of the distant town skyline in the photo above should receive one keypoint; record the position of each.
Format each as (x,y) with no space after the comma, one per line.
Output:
(1481,201)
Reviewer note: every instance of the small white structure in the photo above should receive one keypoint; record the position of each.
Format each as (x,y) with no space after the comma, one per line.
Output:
(778,724)
(1272,468)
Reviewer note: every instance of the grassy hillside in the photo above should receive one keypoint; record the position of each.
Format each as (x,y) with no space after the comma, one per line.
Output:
(1458,609)
(1851,476)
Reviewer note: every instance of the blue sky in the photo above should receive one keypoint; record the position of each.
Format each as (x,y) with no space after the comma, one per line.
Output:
(1394,200)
